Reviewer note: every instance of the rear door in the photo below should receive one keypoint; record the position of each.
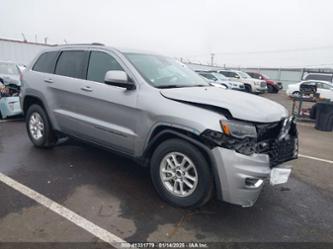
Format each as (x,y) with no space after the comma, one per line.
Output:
(65,86)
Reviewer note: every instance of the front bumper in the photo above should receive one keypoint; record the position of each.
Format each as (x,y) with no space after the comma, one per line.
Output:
(241,177)
(234,170)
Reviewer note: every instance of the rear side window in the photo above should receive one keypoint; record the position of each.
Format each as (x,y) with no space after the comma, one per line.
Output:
(46,62)
(99,64)
(72,64)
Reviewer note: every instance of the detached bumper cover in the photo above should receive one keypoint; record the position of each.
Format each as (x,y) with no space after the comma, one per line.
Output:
(234,172)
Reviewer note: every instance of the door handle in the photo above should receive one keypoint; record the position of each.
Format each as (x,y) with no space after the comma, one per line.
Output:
(48,80)
(87,89)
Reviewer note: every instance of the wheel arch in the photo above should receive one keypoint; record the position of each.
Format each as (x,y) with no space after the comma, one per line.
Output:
(163,133)
(30,100)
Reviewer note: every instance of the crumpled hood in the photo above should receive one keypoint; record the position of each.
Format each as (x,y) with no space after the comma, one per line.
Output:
(241,105)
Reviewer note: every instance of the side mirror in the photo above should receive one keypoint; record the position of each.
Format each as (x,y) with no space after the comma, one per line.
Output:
(118,78)
(237,76)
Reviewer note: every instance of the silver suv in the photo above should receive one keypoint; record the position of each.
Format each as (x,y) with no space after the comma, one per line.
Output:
(198,140)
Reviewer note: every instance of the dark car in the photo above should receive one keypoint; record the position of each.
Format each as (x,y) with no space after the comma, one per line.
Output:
(272,85)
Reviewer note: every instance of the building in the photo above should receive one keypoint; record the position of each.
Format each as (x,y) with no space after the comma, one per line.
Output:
(20,52)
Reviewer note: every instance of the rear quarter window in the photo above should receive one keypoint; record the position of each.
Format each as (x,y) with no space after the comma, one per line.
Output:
(46,62)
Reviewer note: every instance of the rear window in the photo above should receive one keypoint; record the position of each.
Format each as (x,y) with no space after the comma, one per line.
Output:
(46,62)
(72,64)
(324,77)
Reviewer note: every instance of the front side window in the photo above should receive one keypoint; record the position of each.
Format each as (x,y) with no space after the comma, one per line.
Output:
(164,72)
(99,64)
(219,76)
(226,74)
(72,64)
(254,75)
(46,62)
(8,68)
(243,75)
(233,75)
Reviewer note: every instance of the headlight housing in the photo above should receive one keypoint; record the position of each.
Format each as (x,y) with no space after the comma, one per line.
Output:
(235,135)
(238,129)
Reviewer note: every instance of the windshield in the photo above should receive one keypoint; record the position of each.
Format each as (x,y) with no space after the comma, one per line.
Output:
(243,75)
(220,76)
(208,76)
(7,68)
(164,72)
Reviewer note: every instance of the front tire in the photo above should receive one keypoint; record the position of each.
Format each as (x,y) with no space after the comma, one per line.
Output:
(39,127)
(181,174)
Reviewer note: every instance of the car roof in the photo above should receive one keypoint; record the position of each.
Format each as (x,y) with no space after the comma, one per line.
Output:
(98,46)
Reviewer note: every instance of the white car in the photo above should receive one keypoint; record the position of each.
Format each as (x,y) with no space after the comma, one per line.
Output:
(324,88)
(251,85)
(220,79)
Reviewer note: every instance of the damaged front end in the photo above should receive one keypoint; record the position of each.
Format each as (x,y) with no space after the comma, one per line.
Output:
(246,154)
(279,140)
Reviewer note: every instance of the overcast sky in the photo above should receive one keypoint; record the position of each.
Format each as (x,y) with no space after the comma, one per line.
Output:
(240,32)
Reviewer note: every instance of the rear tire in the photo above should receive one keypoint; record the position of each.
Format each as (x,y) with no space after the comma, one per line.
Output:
(39,127)
(172,178)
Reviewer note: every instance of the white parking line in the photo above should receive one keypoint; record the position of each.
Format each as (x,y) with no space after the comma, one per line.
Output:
(65,212)
(316,158)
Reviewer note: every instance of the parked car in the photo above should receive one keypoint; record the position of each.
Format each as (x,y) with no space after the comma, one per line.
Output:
(9,73)
(324,88)
(272,85)
(319,76)
(9,90)
(251,85)
(198,140)
(222,80)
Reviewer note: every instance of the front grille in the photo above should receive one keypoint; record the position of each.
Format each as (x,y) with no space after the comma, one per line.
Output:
(279,150)
(269,131)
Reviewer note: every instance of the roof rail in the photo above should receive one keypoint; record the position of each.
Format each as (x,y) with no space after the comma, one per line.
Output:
(83,44)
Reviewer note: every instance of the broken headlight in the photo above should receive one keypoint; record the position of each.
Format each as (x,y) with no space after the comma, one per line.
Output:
(235,135)
(238,129)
